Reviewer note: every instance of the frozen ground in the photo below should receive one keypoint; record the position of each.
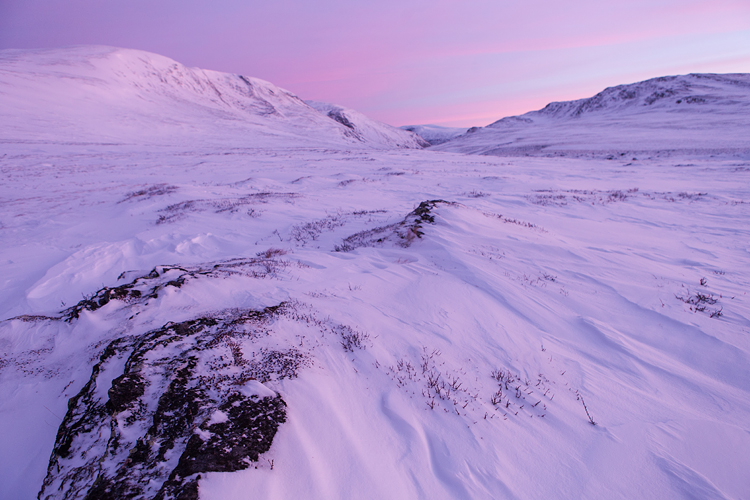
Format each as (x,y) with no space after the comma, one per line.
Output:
(422,350)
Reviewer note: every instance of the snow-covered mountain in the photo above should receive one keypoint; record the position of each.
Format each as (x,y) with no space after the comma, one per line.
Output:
(318,316)
(368,130)
(435,134)
(106,94)
(694,112)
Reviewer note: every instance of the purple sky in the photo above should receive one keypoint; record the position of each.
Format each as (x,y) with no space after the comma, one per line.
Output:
(455,63)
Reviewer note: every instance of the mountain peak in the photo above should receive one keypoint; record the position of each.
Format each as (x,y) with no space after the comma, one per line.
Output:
(102,94)
(666,92)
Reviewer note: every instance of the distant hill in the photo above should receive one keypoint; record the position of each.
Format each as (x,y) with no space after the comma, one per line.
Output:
(97,94)
(696,112)
(435,134)
(367,130)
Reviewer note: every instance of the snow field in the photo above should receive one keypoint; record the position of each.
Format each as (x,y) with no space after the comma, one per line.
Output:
(538,269)
(437,325)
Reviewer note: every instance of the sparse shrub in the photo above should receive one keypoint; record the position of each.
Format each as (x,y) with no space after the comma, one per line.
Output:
(497,398)
(579,397)
(351,338)
(271,253)
(179,210)
(150,192)
(699,301)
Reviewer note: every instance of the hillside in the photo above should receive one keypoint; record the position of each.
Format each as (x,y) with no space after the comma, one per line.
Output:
(693,113)
(435,134)
(367,130)
(94,94)
(288,311)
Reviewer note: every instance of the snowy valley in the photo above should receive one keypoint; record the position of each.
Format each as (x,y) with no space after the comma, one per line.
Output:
(214,289)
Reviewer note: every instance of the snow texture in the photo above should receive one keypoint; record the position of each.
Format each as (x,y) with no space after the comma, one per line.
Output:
(180,268)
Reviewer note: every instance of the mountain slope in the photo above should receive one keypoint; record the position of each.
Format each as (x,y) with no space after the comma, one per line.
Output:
(367,130)
(688,112)
(435,134)
(108,95)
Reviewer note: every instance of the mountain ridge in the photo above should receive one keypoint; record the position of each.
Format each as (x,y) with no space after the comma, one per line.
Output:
(658,90)
(108,94)
(683,112)
(368,130)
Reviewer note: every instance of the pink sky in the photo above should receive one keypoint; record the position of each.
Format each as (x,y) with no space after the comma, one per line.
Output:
(456,63)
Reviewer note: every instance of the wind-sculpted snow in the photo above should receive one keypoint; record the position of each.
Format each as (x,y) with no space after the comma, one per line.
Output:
(557,327)
(147,287)
(703,114)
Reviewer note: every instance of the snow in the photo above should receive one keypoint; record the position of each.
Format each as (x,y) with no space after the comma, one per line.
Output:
(435,134)
(693,114)
(255,388)
(99,94)
(574,277)
(367,130)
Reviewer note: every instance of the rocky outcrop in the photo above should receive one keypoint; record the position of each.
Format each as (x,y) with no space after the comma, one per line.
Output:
(164,407)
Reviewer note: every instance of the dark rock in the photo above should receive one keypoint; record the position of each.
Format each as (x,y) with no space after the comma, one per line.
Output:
(177,409)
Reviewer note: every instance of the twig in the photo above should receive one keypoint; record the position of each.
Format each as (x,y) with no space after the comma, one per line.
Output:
(591,419)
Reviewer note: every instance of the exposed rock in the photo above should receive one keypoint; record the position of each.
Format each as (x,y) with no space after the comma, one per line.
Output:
(163,407)
(148,286)
(402,233)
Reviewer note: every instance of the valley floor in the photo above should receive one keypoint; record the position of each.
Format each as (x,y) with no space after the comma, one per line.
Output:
(461,348)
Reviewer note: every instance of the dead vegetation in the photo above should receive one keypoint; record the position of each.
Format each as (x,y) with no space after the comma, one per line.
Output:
(176,409)
(179,210)
(508,220)
(547,197)
(149,286)
(150,192)
(349,337)
(304,233)
(515,394)
(560,198)
(402,233)
(701,302)
(429,377)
